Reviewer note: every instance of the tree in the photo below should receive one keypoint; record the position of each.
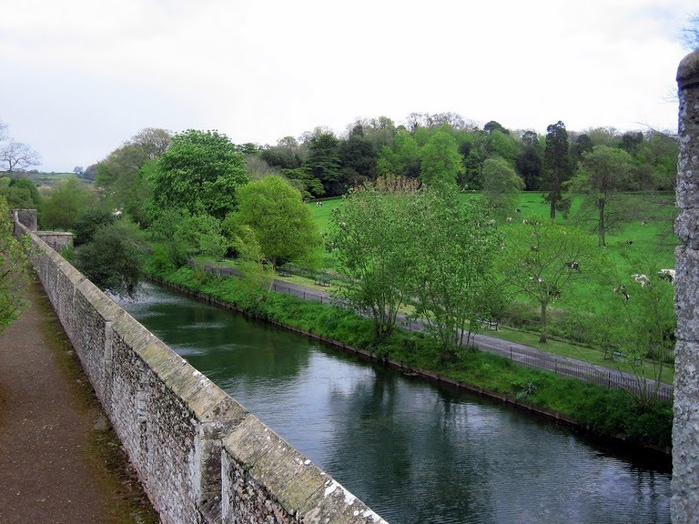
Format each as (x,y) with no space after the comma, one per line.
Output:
(60,210)
(256,276)
(282,224)
(452,274)
(690,33)
(21,193)
(440,160)
(113,259)
(542,258)
(602,174)
(121,176)
(358,153)
(640,325)
(199,234)
(557,167)
(323,162)
(16,156)
(88,222)
(501,186)
(529,162)
(200,173)
(371,236)
(12,270)
(401,160)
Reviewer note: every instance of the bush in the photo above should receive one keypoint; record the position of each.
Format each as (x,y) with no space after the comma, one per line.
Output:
(113,260)
(89,222)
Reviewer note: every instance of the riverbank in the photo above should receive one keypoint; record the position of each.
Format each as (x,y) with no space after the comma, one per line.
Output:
(598,412)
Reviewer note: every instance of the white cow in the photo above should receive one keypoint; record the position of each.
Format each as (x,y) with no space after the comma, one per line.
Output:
(667,274)
(640,279)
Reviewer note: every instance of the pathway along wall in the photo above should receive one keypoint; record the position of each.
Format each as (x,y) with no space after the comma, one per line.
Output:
(684,507)
(201,457)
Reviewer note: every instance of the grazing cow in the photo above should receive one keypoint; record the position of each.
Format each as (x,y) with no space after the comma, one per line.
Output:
(640,279)
(509,219)
(575,266)
(621,289)
(518,210)
(667,274)
(644,222)
(319,204)
(628,242)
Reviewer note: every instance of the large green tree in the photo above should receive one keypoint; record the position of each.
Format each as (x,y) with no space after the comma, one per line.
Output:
(557,168)
(12,270)
(21,193)
(61,208)
(529,163)
(542,258)
(113,259)
(452,273)
(122,175)
(282,224)
(501,186)
(602,175)
(440,160)
(403,159)
(200,173)
(323,162)
(372,238)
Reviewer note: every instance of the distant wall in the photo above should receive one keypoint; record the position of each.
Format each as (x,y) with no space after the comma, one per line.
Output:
(56,239)
(684,506)
(201,457)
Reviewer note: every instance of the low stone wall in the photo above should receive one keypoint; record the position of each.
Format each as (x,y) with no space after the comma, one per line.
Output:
(201,457)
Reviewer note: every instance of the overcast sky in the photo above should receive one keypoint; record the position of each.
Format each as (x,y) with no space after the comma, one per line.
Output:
(78,78)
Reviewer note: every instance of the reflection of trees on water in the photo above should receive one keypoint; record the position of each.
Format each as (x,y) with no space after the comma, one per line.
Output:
(395,449)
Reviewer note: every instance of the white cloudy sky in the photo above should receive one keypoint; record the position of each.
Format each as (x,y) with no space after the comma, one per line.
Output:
(80,77)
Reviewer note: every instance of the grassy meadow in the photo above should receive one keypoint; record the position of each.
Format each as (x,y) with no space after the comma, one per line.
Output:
(643,244)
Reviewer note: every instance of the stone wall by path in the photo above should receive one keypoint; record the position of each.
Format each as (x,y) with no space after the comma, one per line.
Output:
(685,434)
(201,457)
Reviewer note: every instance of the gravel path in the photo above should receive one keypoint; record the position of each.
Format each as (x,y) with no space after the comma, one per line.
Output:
(59,462)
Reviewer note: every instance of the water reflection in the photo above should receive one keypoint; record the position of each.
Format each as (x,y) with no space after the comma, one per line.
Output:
(413,452)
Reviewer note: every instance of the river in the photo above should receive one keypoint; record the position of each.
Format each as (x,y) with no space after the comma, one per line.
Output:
(414,452)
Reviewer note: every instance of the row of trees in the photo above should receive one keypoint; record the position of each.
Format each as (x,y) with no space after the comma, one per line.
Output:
(445,145)
(321,164)
(430,252)
(196,193)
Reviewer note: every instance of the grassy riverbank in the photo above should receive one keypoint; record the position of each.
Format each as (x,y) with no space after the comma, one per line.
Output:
(609,413)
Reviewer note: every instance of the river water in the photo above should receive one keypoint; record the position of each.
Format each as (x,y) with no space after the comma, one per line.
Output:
(412,451)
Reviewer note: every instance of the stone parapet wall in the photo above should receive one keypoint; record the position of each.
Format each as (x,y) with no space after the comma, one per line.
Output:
(684,506)
(201,457)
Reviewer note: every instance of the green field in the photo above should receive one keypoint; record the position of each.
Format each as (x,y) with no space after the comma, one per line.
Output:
(641,245)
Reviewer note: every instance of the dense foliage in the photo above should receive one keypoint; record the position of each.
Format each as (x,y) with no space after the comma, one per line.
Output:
(12,270)
(199,173)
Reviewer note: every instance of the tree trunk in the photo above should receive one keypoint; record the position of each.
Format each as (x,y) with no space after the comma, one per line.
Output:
(601,230)
(542,337)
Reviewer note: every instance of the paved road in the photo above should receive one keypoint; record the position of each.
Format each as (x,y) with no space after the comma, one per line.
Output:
(525,355)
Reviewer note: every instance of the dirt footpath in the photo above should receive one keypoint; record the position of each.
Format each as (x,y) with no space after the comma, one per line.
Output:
(59,460)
